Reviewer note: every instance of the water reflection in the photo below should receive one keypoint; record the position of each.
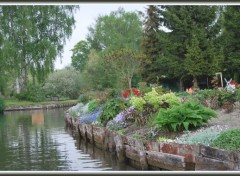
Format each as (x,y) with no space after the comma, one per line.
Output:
(37,140)
(38,118)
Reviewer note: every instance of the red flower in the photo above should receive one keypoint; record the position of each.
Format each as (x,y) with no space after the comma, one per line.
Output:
(134,90)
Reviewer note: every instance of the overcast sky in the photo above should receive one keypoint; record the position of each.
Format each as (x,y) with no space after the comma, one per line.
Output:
(87,16)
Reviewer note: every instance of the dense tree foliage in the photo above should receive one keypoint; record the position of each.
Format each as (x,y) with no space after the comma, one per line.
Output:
(118,30)
(126,62)
(192,29)
(151,44)
(230,42)
(64,83)
(33,36)
(80,55)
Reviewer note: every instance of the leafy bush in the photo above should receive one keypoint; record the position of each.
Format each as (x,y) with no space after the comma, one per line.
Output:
(153,98)
(92,105)
(237,94)
(228,140)
(63,83)
(182,94)
(170,98)
(83,99)
(137,102)
(143,87)
(35,93)
(182,117)
(2,104)
(111,109)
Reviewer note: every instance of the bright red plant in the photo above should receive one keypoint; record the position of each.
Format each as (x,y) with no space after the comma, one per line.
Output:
(134,91)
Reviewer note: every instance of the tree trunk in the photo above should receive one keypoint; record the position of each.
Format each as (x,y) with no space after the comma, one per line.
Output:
(195,83)
(24,79)
(181,83)
(17,86)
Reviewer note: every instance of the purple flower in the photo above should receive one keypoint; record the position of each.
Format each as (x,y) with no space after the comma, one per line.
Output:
(123,115)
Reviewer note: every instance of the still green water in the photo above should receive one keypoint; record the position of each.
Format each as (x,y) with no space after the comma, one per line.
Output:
(38,141)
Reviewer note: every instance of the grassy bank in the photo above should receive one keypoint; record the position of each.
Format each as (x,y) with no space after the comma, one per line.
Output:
(10,103)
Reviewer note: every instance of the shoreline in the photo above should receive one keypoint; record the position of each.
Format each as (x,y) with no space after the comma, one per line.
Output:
(39,106)
(148,155)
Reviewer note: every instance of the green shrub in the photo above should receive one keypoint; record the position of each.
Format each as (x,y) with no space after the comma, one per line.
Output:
(83,99)
(181,117)
(237,94)
(228,140)
(111,109)
(35,93)
(170,98)
(2,104)
(92,105)
(182,94)
(143,87)
(153,98)
(137,102)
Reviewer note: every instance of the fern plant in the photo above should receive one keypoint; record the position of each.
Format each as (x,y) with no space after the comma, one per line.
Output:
(181,117)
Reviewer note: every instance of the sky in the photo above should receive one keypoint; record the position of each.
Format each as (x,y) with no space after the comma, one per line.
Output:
(87,16)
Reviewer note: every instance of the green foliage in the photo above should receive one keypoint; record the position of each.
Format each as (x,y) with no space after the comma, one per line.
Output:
(80,55)
(98,75)
(170,98)
(229,39)
(153,98)
(184,116)
(33,93)
(92,105)
(182,94)
(138,136)
(43,27)
(237,94)
(119,29)
(137,102)
(64,83)
(125,62)
(83,99)
(151,43)
(144,88)
(2,104)
(228,140)
(111,109)
(121,132)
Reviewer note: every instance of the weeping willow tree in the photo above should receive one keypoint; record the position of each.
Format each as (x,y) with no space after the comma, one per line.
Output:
(32,38)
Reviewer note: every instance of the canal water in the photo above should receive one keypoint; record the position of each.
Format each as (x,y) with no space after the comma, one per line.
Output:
(38,141)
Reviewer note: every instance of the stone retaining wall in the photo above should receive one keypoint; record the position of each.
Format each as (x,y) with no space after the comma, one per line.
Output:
(148,155)
(33,107)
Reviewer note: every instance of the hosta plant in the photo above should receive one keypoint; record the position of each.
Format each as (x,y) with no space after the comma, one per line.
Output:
(182,117)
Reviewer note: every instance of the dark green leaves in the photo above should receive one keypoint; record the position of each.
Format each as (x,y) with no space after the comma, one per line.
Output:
(183,116)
